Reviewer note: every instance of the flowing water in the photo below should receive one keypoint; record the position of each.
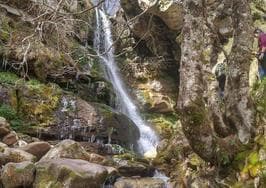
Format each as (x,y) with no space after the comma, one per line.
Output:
(103,44)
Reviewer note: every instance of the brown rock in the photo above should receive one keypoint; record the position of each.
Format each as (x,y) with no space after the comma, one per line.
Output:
(38,149)
(10,139)
(4,127)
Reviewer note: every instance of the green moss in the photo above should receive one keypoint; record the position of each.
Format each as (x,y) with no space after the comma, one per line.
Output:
(8,78)
(44,99)
(166,124)
(259,96)
(11,115)
(130,156)
(5,29)
(105,110)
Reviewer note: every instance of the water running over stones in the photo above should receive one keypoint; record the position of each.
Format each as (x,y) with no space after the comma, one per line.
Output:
(103,44)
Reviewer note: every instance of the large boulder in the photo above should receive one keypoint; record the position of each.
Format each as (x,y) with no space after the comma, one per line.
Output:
(37,149)
(10,139)
(130,168)
(67,149)
(139,183)
(92,122)
(72,150)
(69,173)
(18,174)
(16,156)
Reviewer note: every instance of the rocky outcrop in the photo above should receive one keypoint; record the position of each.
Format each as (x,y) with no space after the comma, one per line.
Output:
(61,115)
(170,11)
(69,173)
(152,31)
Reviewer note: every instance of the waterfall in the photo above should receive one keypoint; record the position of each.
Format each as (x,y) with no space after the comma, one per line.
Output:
(103,44)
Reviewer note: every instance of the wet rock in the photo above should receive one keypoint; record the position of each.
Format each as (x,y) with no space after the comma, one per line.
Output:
(38,149)
(95,123)
(130,168)
(17,155)
(139,183)
(18,174)
(10,139)
(69,173)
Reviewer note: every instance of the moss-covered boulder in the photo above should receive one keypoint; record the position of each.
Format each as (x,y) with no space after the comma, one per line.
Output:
(139,183)
(67,149)
(78,119)
(131,165)
(18,174)
(17,155)
(69,173)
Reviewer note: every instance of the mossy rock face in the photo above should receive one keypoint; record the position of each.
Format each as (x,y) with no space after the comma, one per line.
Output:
(166,125)
(77,119)
(37,102)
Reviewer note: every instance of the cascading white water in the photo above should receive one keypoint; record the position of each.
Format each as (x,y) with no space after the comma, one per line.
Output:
(103,44)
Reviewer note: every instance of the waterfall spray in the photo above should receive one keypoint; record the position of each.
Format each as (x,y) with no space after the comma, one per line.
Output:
(103,44)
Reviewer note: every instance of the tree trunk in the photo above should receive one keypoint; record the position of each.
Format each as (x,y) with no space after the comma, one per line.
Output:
(239,106)
(210,129)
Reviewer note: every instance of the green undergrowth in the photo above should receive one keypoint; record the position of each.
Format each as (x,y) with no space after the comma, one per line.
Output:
(11,115)
(165,124)
(29,101)
(259,96)
(8,78)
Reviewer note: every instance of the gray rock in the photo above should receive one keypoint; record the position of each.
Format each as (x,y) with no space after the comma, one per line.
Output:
(130,168)
(67,149)
(69,173)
